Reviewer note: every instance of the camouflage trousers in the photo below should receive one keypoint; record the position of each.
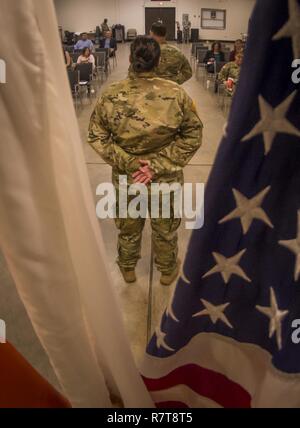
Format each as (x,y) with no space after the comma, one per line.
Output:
(164,239)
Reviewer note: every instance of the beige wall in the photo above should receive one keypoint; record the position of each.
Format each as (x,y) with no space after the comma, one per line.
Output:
(85,15)
(238,14)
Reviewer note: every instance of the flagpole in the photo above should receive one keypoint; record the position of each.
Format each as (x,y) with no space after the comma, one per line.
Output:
(150,295)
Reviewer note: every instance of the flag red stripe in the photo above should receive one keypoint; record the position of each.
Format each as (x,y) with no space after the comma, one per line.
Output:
(206,383)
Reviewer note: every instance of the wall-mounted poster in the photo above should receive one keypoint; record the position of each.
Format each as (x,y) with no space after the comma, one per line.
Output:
(213,19)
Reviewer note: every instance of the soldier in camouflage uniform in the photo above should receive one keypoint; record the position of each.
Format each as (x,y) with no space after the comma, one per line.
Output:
(148,129)
(187,31)
(173,64)
(231,71)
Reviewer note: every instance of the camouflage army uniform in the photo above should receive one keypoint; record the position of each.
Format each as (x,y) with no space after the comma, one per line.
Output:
(173,65)
(230,70)
(105,28)
(148,118)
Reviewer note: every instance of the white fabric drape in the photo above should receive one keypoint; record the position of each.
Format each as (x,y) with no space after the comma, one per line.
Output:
(48,228)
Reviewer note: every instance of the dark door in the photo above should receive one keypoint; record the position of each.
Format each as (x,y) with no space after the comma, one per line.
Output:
(165,14)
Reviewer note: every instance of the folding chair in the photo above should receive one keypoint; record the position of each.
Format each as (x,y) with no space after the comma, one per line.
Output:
(131,34)
(75,88)
(200,55)
(227,104)
(195,45)
(213,77)
(86,77)
(101,61)
(221,95)
(114,58)
(108,67)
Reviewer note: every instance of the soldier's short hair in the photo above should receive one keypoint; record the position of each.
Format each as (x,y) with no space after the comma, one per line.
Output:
(159,29)
(145,54)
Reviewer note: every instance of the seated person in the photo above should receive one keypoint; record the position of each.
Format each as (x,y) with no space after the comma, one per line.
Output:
(238,47)
(230,73)
(84,42)
(213,56)
(86,57)
(109,43)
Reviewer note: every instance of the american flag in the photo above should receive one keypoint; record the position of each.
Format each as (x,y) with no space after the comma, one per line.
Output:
(226,338)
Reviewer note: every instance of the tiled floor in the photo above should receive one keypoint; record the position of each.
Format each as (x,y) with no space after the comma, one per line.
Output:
(138,311)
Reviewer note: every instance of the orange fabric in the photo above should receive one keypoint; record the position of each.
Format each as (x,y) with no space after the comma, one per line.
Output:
(22,386)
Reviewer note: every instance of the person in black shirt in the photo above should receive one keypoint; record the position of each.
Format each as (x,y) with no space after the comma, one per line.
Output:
(213,56)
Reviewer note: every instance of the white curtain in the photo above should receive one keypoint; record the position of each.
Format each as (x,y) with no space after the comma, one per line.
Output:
(48,228)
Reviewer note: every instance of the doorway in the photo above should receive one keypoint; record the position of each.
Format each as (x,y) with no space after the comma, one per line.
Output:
(165,14)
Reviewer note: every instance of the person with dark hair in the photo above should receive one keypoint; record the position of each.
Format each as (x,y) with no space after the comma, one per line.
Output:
(238,48)
(86,57)
(213,56)
(84,42)
(173,64)
(147,129)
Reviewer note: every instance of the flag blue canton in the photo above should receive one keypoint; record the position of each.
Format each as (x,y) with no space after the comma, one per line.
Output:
(241,277)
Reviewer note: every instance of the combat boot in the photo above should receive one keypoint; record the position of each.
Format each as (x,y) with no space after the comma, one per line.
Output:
(168,279)
(128,275)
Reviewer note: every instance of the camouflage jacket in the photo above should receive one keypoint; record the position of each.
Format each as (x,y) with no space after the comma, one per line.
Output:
(230,70)
(146,118)
(173,65)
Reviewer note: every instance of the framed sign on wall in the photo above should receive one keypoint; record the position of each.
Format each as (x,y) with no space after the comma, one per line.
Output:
(213,19)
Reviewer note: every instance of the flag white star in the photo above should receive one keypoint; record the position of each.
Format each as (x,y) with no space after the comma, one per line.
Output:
(170,310)
(273,121)
(248,209)
(292,28)
(276,317)
(160,340)
(215,313)
(228,267)
(170,313)
(183,276)
(294,246)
